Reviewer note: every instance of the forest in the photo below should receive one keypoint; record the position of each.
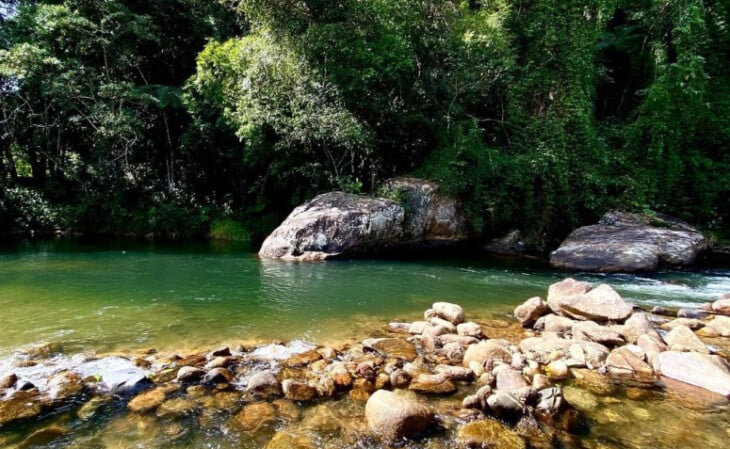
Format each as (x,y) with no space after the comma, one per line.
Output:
(194,117)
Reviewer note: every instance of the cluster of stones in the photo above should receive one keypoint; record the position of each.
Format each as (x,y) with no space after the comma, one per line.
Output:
(581,326)
(503,394)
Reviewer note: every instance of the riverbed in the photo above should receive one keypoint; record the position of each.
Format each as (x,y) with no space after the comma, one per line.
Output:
(135,297)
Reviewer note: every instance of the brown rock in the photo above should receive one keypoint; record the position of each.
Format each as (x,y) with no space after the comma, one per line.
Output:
(489,433)
(42,437)
(21,405)
(287,409)
(65,385)
(392,417)
(147,401)
(218,376)
(528,312)
(298,391)
(392,347)
(432,384)
(254,416)
(285,439)
(462,341)
(303,359)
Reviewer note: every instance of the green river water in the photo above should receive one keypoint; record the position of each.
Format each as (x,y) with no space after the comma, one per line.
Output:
(130,295)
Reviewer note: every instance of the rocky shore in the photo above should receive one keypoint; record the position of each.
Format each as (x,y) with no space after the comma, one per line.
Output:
(411,382)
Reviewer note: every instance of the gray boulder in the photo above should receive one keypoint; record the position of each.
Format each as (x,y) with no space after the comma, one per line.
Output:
(339,224)
(531,310)
(336,224)
(623,242)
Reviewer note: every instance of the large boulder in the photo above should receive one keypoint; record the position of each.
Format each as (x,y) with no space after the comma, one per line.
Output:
(710,372)
(623,242)
(431,216)
(336,224)
(392,417)
(339,224)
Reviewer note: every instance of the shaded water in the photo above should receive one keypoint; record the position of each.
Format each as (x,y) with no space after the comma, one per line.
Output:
(134,296)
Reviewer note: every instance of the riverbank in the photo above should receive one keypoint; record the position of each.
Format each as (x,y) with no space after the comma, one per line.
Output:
(481,382)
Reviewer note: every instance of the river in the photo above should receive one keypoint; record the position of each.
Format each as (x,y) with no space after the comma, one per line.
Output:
(132,295)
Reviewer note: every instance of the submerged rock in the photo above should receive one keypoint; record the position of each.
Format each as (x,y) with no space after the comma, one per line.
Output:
(489,433)
(147,401)
(392,417)
(623,242)
(392,347)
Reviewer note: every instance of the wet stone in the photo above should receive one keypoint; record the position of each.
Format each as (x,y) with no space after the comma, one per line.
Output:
(489,434)
(392,347)
(189,374)
(432,384)
(43,437)
(298,391)
(302,359)
(254,416)
(21,405)
(147,401)
(175,408)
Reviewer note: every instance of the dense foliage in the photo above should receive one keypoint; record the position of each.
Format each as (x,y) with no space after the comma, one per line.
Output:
(166,116)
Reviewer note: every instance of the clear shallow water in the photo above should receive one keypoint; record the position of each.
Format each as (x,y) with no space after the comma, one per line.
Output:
(132,295)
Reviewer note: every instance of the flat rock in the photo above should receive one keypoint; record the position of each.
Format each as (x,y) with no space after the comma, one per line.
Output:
(600,304)
(392,347)
(681,338)
(432,384)
(623,242)
(530,311)
(64,386)
(692,323)
(488,433)
(710,372)
(392,417)
(542,348)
